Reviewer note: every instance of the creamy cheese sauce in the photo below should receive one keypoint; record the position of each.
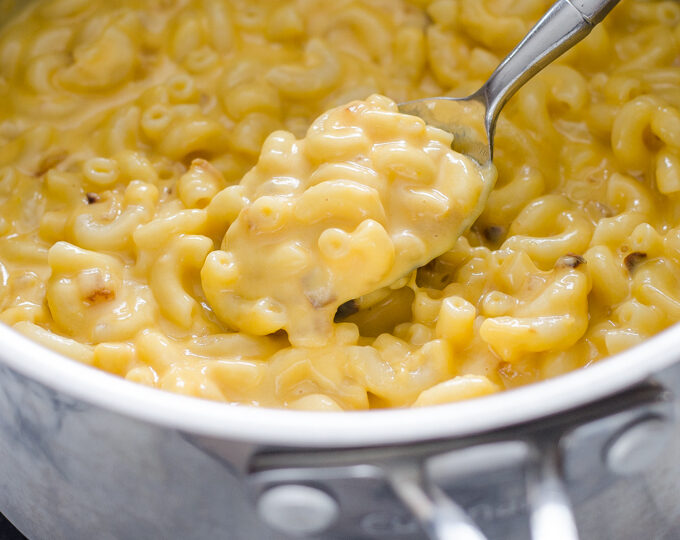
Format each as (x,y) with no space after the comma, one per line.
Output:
(213,198)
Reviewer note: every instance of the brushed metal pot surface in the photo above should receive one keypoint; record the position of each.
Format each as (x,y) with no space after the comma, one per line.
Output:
(84,454)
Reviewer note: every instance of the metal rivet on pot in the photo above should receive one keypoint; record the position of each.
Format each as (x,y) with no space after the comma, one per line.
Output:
(635,448)
(297,510)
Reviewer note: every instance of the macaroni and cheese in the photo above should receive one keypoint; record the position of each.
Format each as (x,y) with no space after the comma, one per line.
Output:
(215,198)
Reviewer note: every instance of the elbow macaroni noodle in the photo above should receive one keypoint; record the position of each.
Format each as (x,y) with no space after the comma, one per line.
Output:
(191,196)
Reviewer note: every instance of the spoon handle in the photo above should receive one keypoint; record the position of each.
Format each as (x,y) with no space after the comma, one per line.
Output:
(565,24)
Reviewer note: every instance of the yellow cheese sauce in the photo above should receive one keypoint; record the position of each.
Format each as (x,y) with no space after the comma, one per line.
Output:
(214,198)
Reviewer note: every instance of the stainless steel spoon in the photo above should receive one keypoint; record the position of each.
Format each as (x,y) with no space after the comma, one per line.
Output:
(472,120)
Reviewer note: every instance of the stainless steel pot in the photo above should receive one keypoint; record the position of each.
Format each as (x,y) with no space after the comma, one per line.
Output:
(84,455)
(595,453)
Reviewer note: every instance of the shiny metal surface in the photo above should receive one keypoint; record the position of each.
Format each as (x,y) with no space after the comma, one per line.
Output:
(297,509)
(439,515)
(637,445)
(551,515)
(522,478)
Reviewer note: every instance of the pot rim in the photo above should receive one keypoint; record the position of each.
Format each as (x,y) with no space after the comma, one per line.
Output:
(338,429)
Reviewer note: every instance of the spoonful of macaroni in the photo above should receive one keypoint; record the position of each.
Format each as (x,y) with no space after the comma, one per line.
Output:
(372,192)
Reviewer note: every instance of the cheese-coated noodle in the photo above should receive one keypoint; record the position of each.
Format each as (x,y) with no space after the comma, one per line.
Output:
(212,197)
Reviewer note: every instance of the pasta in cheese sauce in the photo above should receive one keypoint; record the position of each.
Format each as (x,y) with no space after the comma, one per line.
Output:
(365,198)
(214,198)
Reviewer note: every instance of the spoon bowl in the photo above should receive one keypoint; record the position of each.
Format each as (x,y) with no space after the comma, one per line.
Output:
(464,118)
